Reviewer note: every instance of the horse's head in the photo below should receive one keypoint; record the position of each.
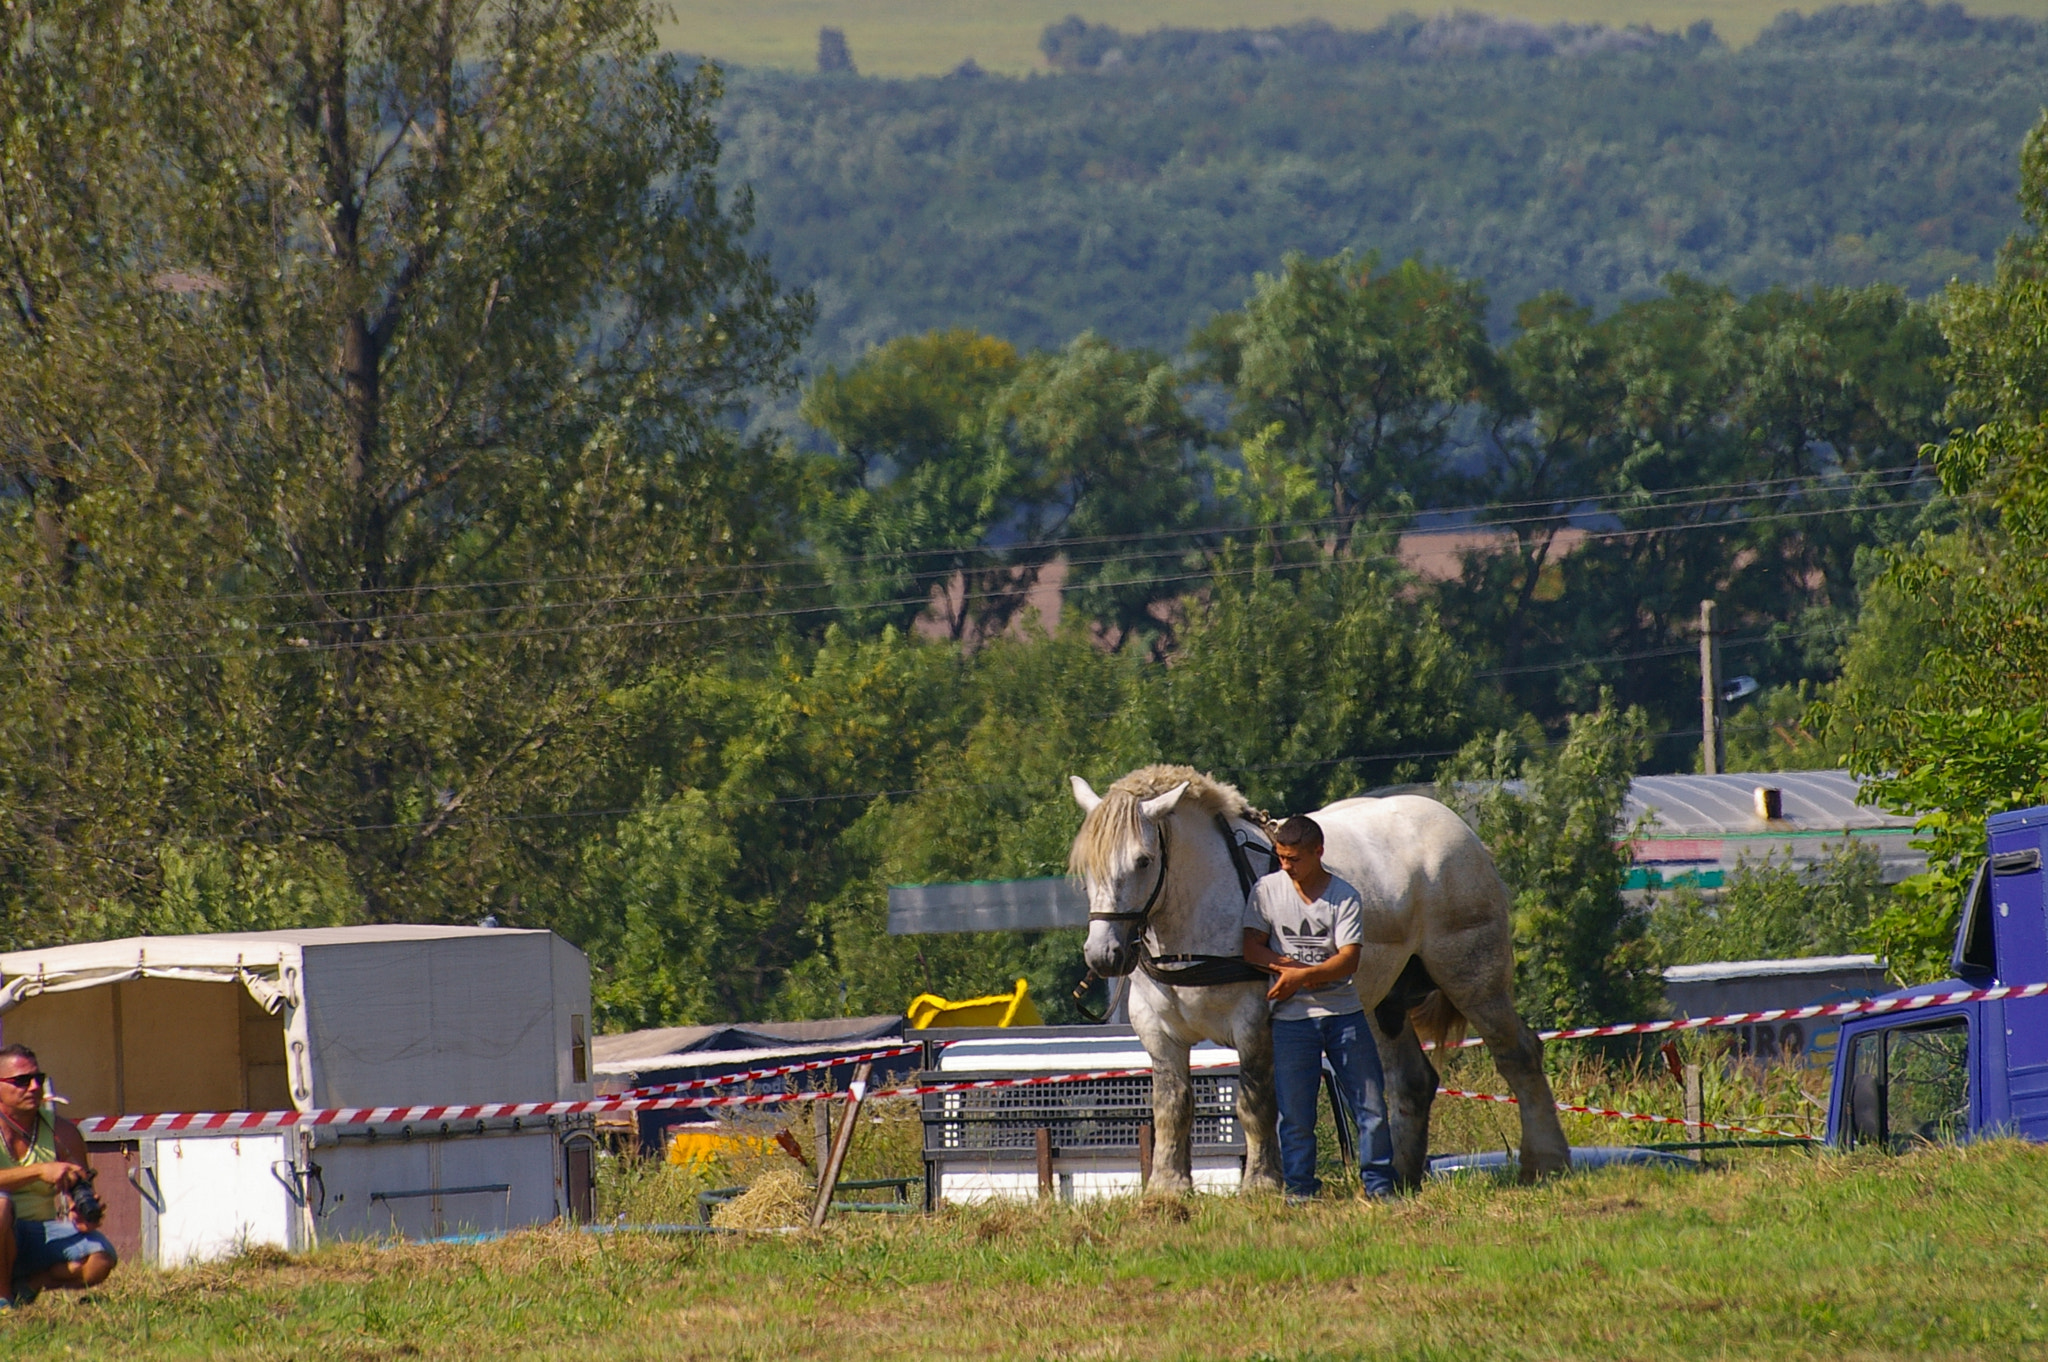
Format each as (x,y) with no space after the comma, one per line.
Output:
(1121,857)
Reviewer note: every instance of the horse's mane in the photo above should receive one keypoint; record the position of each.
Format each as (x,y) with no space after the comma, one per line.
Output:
(1111,827)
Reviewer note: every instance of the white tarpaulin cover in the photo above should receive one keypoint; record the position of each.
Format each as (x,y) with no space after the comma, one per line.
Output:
(382,1016)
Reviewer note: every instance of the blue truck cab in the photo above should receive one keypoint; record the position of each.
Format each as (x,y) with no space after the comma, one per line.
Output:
(1963,1069)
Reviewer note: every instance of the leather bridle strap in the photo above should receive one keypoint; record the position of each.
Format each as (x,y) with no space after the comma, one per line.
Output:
(1158,886)
(1151,900)
(1187,971)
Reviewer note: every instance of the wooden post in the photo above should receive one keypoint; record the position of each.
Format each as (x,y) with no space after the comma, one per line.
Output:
(1713,751)
(1145,1154)
(1044,1140)
(829,1179)
(1695,1107)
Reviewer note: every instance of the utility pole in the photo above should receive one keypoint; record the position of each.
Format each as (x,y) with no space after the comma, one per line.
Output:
(1713,754)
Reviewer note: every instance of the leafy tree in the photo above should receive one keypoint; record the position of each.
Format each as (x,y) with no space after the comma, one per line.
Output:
(1957,733)
(994,804)
(365,381)
(1778,731)
(914,490)
(958,465)
(1112,448)
(1695,445)
(1552,819)
(1312,682)
(1555,447)
(1771,911)
(1363,370)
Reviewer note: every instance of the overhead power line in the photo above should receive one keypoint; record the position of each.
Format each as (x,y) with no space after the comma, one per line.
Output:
(1555,509)
(769,588)
(273,835)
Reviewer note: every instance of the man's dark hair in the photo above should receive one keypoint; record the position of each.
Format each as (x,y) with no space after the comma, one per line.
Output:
(18,1052)
(1299,831)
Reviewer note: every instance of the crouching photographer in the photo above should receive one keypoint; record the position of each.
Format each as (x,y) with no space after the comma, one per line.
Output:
(49,1215)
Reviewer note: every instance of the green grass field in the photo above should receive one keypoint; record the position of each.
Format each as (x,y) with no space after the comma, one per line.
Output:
(1782,1256)
(928,37)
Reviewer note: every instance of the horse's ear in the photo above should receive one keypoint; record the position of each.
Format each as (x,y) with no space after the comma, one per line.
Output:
(1084,794)
(1158,806)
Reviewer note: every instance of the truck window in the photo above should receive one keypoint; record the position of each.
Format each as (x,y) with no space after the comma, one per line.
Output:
(1927,1083)
(1910,1085)
(1976,950)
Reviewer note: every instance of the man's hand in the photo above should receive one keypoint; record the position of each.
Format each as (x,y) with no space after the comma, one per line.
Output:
(61,1175)
(1289,978)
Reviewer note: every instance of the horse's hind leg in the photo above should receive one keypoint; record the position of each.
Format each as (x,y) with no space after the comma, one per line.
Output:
(1518,1054)
(1411,1088)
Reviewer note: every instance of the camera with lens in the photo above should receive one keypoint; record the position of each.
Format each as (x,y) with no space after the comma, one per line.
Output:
(86,1203)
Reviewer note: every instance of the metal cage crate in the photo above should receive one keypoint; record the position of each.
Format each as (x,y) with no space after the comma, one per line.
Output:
(1088,1116)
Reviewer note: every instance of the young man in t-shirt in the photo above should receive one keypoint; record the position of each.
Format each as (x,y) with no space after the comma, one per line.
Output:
(1307,927)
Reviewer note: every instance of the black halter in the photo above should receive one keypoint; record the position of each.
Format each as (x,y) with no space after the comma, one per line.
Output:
(1158,885)
(1183,971)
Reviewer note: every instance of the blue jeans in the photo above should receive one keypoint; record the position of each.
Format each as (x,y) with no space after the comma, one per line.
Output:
(1298,1050)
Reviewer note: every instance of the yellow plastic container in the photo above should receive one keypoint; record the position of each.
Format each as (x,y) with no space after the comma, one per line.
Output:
(1014,1008)
(692,1148)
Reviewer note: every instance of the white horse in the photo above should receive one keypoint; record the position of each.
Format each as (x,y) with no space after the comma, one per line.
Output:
(1165,893)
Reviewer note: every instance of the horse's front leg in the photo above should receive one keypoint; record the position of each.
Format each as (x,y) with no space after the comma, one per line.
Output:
(1257,1109)
(1173,1117)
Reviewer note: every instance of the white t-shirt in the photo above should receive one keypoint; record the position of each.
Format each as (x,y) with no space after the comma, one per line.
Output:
(1310,933)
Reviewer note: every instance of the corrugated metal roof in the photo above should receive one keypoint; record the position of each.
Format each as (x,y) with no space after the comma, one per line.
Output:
(1713,806)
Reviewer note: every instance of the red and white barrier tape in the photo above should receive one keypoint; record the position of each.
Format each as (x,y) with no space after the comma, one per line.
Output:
(1634,1115)
(160,1123)
(756,1075)
(198,1121)
(1866,1006)
(253,1121)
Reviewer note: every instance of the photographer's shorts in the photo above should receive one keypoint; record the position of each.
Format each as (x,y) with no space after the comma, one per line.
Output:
(42,1244)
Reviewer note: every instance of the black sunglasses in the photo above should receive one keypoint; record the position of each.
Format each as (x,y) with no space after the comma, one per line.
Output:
(25,1080)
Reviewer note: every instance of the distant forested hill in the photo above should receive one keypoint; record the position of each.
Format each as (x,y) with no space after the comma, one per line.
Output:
(1139,190)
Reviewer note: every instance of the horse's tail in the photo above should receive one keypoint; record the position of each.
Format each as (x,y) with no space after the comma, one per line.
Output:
(1438,1022)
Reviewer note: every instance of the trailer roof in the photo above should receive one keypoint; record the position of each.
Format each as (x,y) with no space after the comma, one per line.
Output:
(1720,970)
(227,948)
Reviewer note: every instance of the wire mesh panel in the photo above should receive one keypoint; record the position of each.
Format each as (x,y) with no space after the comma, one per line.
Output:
(1096,1115)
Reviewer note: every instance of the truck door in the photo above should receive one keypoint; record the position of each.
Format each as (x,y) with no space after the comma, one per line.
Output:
(1909,1084)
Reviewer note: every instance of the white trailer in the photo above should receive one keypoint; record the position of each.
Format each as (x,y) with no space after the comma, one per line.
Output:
(309,1020)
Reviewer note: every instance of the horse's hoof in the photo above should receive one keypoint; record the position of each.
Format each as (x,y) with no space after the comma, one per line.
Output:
(1539,1167)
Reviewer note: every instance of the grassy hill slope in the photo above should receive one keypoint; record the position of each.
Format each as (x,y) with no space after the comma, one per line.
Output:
(1868,144)
(929,37)
(1937,1254)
